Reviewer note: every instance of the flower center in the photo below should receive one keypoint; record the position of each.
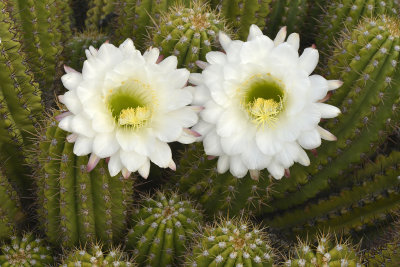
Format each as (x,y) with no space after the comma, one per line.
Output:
(263,98)
(131,104)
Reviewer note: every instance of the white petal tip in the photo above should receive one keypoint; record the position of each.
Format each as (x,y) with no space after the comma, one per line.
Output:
(93,161)
(172,165)
(62,115)
(126,173)
(224,39)
(334,84)
(72,138)
(255,175)
(197,108)
(191,132)
(68,69)
(201,64)
(326,135)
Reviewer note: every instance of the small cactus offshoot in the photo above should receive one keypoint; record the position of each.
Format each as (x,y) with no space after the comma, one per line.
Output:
(25,251)
(95,256)
(232,243)
(188,33)
(163,227)
(328,252)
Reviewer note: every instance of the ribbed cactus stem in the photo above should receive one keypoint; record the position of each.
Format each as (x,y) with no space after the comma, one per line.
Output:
(94,255)
(162,229)
(374,194)
(327,252)
(347,14)
(100,11)
(26,250)
(197,177)
(75,205)
(241,14)
(188,33)
(11,214)
(231,243)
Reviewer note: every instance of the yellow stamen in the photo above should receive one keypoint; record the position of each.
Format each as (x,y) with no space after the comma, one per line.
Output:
(264,111)
(135,117)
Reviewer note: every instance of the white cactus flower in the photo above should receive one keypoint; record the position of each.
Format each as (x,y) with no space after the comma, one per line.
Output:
(262,107)
(126,107)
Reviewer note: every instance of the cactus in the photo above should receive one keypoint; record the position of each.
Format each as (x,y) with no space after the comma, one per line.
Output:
(241,14)
(290,13)
(197,177)
(100,14)
(20,104)
(188,33)
(388,253)
(162,228)
(74,205)
(11,214)
(44,25)
(26,251)
(134,19)
(374,195)
(74,51)
(347,14)
(232,243)
(95,256)
(329,252)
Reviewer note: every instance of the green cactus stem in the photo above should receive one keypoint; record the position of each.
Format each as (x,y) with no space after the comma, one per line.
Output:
(135,17)
(20,103)
(188,33)
(329,252)
(26,251)
(219,194)
(289,13)
(243,13)
(11,215)
(100,15)
(94,255)
(75,205)
(347,14)
(162,229)
(374,195)
(44,27)
(232,243)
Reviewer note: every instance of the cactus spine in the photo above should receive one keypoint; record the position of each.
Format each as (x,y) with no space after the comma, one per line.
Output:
(162,229)
(77,206)
(232,243)
(188,33)
(243,13)
(11,214)
(26,251)
(329,252)
(94,256)
(347,14)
